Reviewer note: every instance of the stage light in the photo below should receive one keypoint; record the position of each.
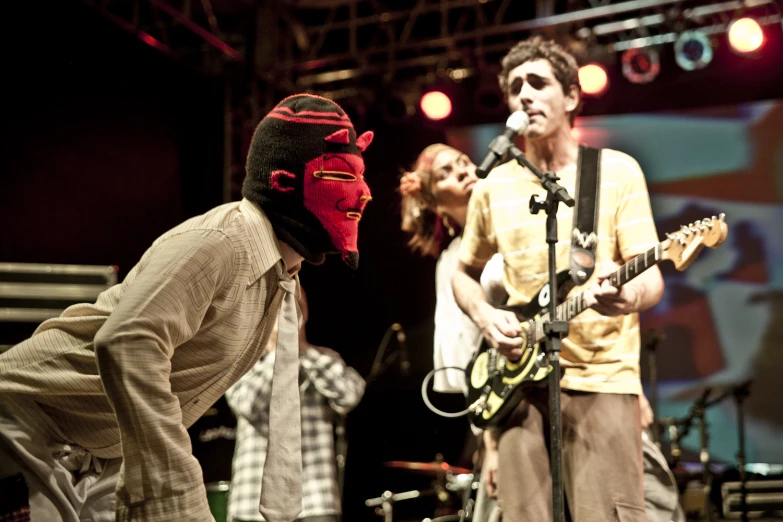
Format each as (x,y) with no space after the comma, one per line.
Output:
(435,105)
(593,79)
(641,65)
(745,35)
(692,50)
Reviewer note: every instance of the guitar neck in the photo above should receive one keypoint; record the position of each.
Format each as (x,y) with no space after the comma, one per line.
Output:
(575,305)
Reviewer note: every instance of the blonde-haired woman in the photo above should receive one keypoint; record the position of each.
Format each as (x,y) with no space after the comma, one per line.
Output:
(435,197)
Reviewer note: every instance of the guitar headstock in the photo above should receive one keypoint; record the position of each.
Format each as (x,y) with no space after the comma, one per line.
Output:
(683,246)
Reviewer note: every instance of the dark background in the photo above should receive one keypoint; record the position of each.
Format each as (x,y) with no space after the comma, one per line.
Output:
(107,143)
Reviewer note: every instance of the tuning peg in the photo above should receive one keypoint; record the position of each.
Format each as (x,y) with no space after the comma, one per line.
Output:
(686,229)
(722,215)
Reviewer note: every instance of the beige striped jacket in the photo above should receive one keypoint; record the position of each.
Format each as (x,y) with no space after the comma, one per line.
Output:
(125,376)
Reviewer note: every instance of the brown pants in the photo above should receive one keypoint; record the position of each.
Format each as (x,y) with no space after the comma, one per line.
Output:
(602,459)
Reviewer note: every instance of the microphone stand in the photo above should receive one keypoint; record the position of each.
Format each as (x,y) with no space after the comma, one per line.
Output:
(651,345)
(380,364)
(555,329)
(698,415)
(387,499)
(741,393)
(704,458)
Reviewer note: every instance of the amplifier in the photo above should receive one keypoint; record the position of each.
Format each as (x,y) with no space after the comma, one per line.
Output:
(33,292)
(764,497)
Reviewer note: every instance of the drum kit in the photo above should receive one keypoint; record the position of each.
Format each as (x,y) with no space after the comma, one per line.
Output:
(450,486)
(217,497)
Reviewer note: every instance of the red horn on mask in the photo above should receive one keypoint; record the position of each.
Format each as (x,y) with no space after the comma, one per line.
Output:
(340,136)
(364,140)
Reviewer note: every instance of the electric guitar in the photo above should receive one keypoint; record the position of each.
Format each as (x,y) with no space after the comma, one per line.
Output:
(495,383)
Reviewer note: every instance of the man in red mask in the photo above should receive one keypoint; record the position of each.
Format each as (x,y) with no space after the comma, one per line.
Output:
(94,407)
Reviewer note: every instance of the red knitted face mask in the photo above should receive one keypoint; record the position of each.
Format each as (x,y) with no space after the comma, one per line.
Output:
(335,191)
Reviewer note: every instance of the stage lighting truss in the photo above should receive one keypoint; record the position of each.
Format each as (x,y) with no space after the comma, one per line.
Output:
(608,26)
(331,45)
(641,65)
(685,25)
(357,49)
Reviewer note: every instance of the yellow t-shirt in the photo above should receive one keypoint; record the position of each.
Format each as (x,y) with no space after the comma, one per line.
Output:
(600,354)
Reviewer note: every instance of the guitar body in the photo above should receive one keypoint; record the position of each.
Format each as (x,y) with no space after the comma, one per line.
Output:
(495,384)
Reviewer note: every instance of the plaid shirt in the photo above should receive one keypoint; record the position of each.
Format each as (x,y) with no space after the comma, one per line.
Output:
(327,386)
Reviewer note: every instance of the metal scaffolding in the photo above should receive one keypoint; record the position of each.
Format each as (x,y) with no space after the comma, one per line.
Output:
(358,49)
(334,45)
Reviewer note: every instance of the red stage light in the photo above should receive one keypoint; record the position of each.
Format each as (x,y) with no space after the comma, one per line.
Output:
(435,105)
(641,65)
(593,79)
(745,35)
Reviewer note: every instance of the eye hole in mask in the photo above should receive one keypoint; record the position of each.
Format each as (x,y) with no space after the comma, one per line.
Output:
(334,175)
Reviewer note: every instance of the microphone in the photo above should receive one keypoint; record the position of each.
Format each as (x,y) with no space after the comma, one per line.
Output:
(405,364)
(515,124)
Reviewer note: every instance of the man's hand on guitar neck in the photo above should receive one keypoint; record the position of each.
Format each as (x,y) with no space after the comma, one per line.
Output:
(610,300)
(501,330)
(637,296)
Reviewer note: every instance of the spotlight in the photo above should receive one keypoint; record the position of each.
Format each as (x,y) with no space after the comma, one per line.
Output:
(435,105)
(641,65)
(745,35)
(692,50)
(593,79)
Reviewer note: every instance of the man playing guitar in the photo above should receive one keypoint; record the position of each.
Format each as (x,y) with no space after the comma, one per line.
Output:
(602,455)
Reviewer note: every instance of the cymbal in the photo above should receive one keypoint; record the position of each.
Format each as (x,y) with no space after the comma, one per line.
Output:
(712,388)
(431,468)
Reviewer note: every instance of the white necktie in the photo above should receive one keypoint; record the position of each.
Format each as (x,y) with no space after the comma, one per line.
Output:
(281,485)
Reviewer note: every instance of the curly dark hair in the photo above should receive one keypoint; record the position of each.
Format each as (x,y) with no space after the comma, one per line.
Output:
(563,64)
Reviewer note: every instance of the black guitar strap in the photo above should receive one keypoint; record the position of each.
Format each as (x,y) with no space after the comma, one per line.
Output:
(584,238)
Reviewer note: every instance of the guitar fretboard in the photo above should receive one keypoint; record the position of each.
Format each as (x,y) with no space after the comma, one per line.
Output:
(575,305)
